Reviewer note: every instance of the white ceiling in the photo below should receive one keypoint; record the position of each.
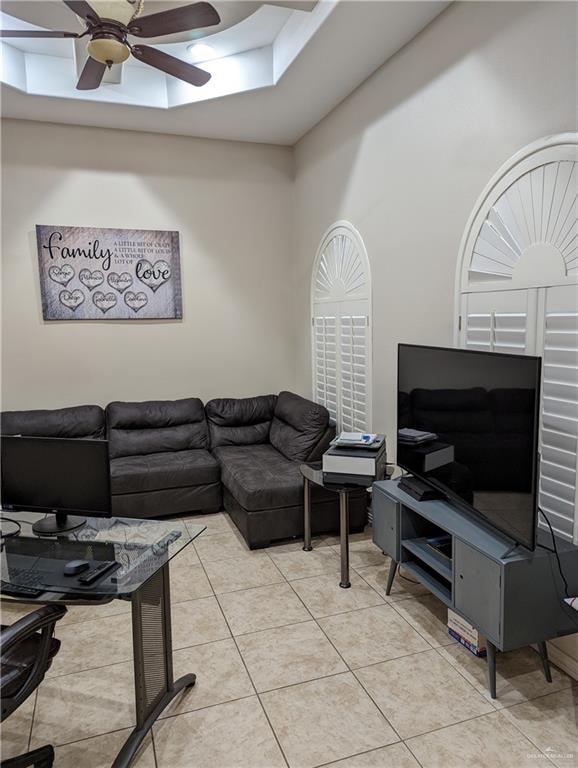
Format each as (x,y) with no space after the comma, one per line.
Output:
(276,71)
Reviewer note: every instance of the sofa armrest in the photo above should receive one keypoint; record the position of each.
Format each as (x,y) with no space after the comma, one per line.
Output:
(323,444)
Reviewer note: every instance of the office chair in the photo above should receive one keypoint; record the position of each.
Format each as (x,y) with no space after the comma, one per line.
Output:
(27,650)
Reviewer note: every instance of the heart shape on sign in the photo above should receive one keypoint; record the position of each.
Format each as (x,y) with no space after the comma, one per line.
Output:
(104,302)
(153,275)
(135,301)
(61,275)
(119,282)
(71,300)
(91,279)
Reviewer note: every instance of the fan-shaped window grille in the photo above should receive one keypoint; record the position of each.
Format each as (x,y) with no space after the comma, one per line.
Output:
(341,319)
(517,292)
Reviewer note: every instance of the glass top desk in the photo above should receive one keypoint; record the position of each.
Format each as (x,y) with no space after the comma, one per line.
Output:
(143,549)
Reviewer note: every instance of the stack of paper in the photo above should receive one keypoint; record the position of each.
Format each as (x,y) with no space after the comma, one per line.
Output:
(354,438)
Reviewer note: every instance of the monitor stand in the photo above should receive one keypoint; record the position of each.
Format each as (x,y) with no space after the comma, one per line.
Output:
(58,522)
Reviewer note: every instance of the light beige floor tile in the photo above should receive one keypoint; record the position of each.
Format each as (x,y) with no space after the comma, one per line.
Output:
(363,552)
(428,616)
(394,756)
(15,731)
(11,611)
(376,576)
(221,546)
(372,635)
(245,572)
(288,655)
(221,676)
(100,751)
(188,582)
(186,556)
(84,704)
(326,720)
(198,621)
(76,614)
(92,643)
(551,723)
(422,692)
(300,564)
(324,597)
(486,742)
(519,674)
(296,544)
(218,522)
(262,608)
(232,735)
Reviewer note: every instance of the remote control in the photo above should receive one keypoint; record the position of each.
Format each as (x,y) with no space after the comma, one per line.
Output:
(99,570)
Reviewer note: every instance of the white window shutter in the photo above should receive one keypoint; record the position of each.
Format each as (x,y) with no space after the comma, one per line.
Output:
(499,321)
(341,343)
(559,435)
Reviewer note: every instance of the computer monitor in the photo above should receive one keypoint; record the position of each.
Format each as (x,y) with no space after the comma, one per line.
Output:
(57,475)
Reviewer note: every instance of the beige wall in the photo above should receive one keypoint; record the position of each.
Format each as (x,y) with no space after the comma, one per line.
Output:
(406,155)
(230,202)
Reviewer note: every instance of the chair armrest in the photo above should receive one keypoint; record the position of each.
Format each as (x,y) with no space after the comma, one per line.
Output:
(40,619)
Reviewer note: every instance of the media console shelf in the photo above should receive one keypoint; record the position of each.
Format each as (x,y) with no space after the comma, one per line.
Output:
(514,597)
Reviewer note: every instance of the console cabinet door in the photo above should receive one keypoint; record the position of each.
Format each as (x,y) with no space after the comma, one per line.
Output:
(385,524)
(477,589)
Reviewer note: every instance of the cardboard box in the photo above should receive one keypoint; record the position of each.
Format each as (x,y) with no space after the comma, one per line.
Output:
(466,634)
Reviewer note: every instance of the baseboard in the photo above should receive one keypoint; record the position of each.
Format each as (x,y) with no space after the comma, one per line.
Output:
(564,661)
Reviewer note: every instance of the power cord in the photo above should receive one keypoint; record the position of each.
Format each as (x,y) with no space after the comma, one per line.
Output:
(555,551)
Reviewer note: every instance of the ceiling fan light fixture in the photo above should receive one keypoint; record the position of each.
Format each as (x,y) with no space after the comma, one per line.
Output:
(108,50)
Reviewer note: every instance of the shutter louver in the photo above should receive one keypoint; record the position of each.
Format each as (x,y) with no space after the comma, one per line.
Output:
(353,355)
(325,360)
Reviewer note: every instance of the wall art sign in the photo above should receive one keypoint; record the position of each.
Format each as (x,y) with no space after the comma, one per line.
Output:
(89,273)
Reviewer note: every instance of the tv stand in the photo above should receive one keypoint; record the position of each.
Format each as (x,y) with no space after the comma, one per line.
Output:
(57,523)
(513,596)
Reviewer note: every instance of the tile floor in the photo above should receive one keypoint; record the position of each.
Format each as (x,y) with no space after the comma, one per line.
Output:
(294,671)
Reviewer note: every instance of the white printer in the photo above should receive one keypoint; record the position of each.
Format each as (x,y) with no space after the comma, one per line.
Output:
(356,459)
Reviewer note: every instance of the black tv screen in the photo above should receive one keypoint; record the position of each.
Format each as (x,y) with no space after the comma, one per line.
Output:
(468,426)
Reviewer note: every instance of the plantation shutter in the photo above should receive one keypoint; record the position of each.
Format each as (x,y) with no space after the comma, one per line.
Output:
(500,322)
(559,434)
(341,341)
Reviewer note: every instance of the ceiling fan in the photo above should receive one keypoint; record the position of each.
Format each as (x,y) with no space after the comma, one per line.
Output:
(109,40)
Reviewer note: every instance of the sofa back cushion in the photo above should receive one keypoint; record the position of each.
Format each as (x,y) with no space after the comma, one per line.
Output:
(80,421)
(240,421)
(298,425)
(156,426)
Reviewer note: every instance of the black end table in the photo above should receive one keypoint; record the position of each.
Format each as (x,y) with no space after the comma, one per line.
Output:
(312,473)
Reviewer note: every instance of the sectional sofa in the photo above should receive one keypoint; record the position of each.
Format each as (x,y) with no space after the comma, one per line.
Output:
(171,457)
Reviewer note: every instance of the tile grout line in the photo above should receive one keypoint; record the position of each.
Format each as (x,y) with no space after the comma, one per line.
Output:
(250,678)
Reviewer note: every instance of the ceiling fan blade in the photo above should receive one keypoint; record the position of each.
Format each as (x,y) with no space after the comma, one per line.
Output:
(176,20)
(36,33)
(172,66)
(91,75)
(83,9)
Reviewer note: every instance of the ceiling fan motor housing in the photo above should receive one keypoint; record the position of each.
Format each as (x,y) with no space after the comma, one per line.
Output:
(108,46)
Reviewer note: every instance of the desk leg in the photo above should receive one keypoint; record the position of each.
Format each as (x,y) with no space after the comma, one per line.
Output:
(153,660)
(491,652)
(307,515)
(344,536)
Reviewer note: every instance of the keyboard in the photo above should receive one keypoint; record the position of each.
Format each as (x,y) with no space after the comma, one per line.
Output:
(17,590)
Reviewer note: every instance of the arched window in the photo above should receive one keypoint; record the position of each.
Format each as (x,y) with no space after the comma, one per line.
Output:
(341,320)
(517,292)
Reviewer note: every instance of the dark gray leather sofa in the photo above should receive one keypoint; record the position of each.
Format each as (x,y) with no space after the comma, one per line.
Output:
(176,457)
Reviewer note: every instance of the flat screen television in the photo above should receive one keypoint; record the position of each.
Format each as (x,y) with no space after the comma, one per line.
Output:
(481,410)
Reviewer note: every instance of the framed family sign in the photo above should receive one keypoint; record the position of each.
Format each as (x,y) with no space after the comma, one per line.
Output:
(88,273)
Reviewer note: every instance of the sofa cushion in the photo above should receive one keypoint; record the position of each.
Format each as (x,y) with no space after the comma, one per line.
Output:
(156,426)
(160,471)
(240,421)
(298,425)
(81,421)
(259,477)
